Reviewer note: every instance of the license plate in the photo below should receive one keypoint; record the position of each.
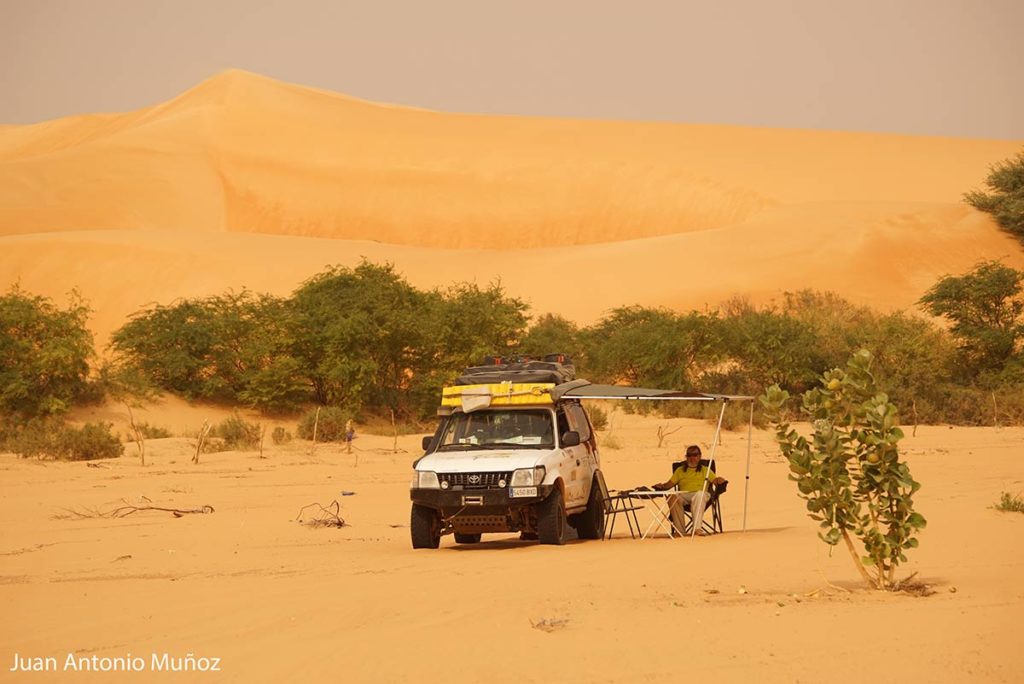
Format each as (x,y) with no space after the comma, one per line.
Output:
(523,491)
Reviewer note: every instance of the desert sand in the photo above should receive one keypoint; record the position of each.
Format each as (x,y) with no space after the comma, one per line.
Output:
(276,600)
(247,182)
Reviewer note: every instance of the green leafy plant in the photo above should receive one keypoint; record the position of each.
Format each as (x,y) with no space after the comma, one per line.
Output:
(850,472)
(1010,503)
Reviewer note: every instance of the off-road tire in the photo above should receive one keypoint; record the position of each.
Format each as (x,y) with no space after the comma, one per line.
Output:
(461,538)
(425,527)
(590,523)
(551,519)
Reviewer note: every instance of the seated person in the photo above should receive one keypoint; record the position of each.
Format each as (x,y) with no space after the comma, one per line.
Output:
(689,478)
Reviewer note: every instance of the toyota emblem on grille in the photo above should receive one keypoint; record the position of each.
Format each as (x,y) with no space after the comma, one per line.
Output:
(474,479)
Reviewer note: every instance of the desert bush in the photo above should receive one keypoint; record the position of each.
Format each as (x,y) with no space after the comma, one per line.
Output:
(646,347)
(152,431)
(330,427)
(237,433)
(231,347)
(552,334)
(1010,503)
(280,435)
(850,472)
(1005,202)
(44,355)
(984,308)
(598,417)
(771,347)
(50,438)
(91,441)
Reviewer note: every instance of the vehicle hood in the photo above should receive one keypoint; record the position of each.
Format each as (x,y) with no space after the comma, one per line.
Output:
(485,460)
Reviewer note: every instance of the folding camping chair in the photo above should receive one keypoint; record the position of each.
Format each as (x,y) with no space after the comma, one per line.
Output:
(713,505)
(614,504)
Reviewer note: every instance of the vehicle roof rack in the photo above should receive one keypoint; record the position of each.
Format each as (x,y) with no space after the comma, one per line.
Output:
(555,369)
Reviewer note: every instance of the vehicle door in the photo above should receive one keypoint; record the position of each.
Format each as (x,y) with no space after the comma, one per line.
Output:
(574,470)
(590,461)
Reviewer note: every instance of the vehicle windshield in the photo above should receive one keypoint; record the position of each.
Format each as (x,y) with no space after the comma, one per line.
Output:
(526,429)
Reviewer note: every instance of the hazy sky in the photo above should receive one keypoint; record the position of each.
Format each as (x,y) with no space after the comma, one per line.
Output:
(941,67)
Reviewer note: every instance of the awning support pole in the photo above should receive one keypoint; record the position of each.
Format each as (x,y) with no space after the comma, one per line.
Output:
(746,482)
(714,445)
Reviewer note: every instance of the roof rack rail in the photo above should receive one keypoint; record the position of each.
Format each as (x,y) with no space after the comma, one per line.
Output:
(554,368)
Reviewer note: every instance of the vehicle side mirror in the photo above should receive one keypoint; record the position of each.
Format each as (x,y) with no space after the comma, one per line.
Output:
(426,442)
(571,438)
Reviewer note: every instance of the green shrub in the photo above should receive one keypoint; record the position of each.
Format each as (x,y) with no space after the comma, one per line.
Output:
(598,417)
(331,426)
(1010,503)
(44,355)
(89,442)
(152,431)
(50,438)
(1006,201)
(280,435)
(36,438)
(237,433)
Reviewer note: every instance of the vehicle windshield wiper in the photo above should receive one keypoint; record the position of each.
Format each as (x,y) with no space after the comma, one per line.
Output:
(459,447)
(492,445)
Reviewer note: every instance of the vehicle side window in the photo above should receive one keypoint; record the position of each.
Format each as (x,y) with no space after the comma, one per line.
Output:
(563,423)
(578,421)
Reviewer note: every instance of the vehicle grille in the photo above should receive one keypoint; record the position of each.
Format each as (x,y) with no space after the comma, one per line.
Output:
(474,480)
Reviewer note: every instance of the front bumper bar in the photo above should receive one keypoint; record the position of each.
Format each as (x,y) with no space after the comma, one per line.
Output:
(475,500)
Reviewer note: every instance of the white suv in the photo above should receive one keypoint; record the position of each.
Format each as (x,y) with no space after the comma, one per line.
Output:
(508,455)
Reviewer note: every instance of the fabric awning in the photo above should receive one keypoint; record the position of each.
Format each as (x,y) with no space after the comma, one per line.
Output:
(582,389)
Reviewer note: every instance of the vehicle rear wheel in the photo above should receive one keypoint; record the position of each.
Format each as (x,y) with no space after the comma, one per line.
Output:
(425,525)
(551,520)
(461,538)
(590,523)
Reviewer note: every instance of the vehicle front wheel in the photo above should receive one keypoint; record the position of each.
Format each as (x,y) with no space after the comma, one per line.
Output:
(551,520)
(425,525)
(461,538)
(590,523)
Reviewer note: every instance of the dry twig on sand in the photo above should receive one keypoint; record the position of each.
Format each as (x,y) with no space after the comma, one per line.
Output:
(663,433)
(128,508)
(909,585)
(549,624)
(323,516)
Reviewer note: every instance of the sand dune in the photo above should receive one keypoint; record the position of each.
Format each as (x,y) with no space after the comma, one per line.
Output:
(248,182)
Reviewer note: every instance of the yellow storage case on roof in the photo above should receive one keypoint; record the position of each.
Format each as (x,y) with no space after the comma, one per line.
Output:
(470,397)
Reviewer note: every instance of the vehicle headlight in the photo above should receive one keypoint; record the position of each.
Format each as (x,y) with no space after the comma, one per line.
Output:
(425,480)
(528,477)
